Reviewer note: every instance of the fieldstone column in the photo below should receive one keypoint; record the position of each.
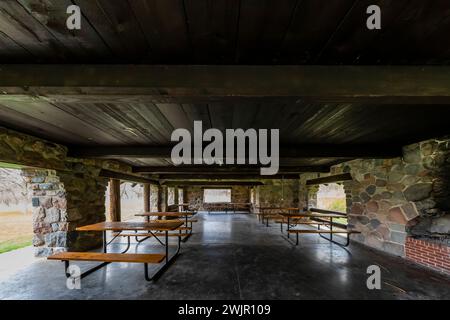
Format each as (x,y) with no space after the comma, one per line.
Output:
(62,201)
(162,198)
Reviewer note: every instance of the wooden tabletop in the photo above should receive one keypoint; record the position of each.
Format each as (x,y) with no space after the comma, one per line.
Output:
(123,226)
(164,214)
(310,215)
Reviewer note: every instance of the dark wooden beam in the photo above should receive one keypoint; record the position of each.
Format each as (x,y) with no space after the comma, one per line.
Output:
(126,177)
(213,183)
(98,83)
(214,170)
(295,151)
(330,179)
(147,206)
(114,200)
(167,177)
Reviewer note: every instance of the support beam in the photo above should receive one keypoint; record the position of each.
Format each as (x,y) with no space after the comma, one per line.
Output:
(366,151)
(114,200)
(225,170)
(213,183)
(330,179)
(126,177)
(175,196)
(178,177)
(150,83)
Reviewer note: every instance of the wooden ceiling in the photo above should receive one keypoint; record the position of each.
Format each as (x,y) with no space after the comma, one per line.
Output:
(225,32)
(95,127)
(326,115)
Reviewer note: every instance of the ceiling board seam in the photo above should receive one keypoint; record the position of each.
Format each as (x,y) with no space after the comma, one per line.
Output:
(341,23)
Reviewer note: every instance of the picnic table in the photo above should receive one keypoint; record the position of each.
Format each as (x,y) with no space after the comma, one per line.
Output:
(185,215)
(267,213)
(225,206)
(106,258)
(329,223)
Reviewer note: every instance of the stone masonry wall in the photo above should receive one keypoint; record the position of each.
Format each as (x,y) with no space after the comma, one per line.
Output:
(61,202)
(392,199)
(64,192)
(153,198)
(284,193)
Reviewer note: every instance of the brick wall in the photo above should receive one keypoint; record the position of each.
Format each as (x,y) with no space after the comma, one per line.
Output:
(432,255)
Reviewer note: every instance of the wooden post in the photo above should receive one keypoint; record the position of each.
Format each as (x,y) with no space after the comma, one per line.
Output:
(147,197)
(114,200)
(176,200)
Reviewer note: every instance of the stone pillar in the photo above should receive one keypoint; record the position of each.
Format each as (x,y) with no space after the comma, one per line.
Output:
(162,198)
(147,197)
(114,200)
(154,202)
(62,201)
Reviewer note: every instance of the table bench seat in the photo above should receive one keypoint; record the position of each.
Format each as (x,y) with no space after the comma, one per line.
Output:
(157,234)
(320,232)
(108,257)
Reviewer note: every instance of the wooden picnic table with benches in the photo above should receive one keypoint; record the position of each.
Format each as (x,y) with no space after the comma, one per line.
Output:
(186,215)
(268,213)
(150,229)
(226,206)
(319,219)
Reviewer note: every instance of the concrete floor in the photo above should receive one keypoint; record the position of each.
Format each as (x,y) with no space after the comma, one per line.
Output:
(236,257)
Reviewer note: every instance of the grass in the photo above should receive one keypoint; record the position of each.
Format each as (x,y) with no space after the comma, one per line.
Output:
(14,244)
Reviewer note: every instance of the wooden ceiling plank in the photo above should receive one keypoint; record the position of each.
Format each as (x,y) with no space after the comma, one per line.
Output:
(99,116)
(213,29)
(18,121)
(51,114)
(262,28)
(51,17)
(165,28)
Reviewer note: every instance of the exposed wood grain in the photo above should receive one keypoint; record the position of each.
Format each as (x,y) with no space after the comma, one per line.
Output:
(236,176)
(146,197)
(108,257)
(124,226)
(114,200)
(125,177)
(213,183)
(262,27)
(212,29)
(338,83)
(330,179)
(223,169)
(165,28)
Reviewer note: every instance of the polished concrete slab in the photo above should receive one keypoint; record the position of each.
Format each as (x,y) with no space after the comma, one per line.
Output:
(233,256)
